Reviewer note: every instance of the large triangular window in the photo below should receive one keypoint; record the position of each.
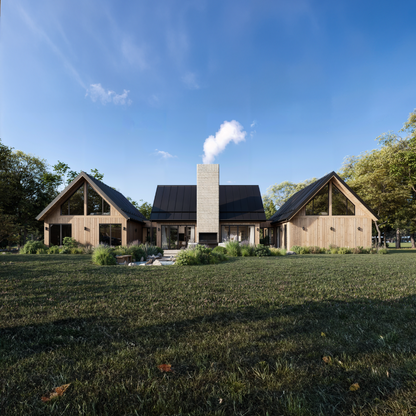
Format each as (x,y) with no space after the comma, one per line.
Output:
(74,205)
(96,204)
(319,205)
(341,205)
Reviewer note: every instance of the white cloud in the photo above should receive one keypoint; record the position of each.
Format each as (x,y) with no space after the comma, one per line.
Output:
(230,131)
(253,123)
(97,93)
(189,79)
(229,181)
(165,155)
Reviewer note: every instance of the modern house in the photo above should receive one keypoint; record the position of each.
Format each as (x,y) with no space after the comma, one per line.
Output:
(326,212)
(92,213)
(206,213)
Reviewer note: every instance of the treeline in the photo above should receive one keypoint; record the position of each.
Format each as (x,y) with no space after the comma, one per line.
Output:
(385,178)
(27,185)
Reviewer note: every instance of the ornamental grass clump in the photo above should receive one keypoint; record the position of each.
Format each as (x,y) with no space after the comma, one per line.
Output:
(103,256)
(233,248)
(220,249)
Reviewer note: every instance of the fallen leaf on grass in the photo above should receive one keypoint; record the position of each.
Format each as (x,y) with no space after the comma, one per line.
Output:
(327,360)
(165,368)
(354,387)
(59,391)
(220,401)
(323,334)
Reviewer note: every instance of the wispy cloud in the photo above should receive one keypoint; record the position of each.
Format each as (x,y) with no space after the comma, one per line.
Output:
(39,32)
(189,79)
(230,131)
(253,123)
(135,54)
(165,155)
(97,93)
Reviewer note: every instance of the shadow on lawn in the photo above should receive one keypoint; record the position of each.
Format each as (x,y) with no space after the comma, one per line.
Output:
(285,344)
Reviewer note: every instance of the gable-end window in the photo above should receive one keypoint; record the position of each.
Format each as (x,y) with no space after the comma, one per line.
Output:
(74,205)
(320,203)
(110,234)
(341,205)
(96,204)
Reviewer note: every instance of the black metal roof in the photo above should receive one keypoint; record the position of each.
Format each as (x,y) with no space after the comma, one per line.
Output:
(113,197)
(301,198)
(237,203)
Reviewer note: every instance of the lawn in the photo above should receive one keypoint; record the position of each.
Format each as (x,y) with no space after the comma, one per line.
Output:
(252,336)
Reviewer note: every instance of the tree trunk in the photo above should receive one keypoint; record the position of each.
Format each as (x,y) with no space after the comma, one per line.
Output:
(412,239)
(385,241)
(378,235)
(398,238)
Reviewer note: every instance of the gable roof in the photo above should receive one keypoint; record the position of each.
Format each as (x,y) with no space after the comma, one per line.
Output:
(237,203)
(113,197)
(301,198)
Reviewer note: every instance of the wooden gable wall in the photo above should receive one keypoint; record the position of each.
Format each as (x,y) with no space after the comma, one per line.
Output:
(347,231)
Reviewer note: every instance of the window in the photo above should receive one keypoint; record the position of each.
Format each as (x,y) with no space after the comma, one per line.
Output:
(96,205)
(110,234)
(57,233)
(150,238)
(320,203)
(341,205)
(74,205)
(237,233)
(267,236)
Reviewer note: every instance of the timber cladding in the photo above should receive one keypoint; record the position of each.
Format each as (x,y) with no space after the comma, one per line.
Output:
(338,230)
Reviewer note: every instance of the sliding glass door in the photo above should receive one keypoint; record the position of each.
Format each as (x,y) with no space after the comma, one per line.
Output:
(177,236)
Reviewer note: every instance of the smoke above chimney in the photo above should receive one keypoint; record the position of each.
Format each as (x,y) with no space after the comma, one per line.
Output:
(230,131)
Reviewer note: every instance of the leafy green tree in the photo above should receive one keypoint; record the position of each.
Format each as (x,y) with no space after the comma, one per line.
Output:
(145,208)
(269,208)
(278,194)
(27,187)
(67,175)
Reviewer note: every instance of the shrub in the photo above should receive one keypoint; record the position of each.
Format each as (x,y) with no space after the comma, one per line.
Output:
(344,250)
(41,251)
(304,250)
(333,250)
(359,250)
(198,255)
(382,251)
(233,248)
(31,247)
(261,250)
(76,250)
(53,250)
(186,258)
(70,242)
(103,256)
(136,252)
(220,249)
(246,252)
(65,250)
(296,249)
(315,250)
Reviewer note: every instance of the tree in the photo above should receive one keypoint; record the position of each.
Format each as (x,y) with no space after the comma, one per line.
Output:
(269,207)
(67,175)
(369,176)
(145,208)
(26,187)
(278,194)
(402,167)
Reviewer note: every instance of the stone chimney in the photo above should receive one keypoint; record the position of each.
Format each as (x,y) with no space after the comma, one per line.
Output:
(208,203)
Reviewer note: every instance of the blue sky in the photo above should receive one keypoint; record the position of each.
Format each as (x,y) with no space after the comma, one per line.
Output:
(134,88)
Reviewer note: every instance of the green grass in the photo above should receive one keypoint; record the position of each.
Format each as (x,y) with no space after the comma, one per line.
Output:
(243,337)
